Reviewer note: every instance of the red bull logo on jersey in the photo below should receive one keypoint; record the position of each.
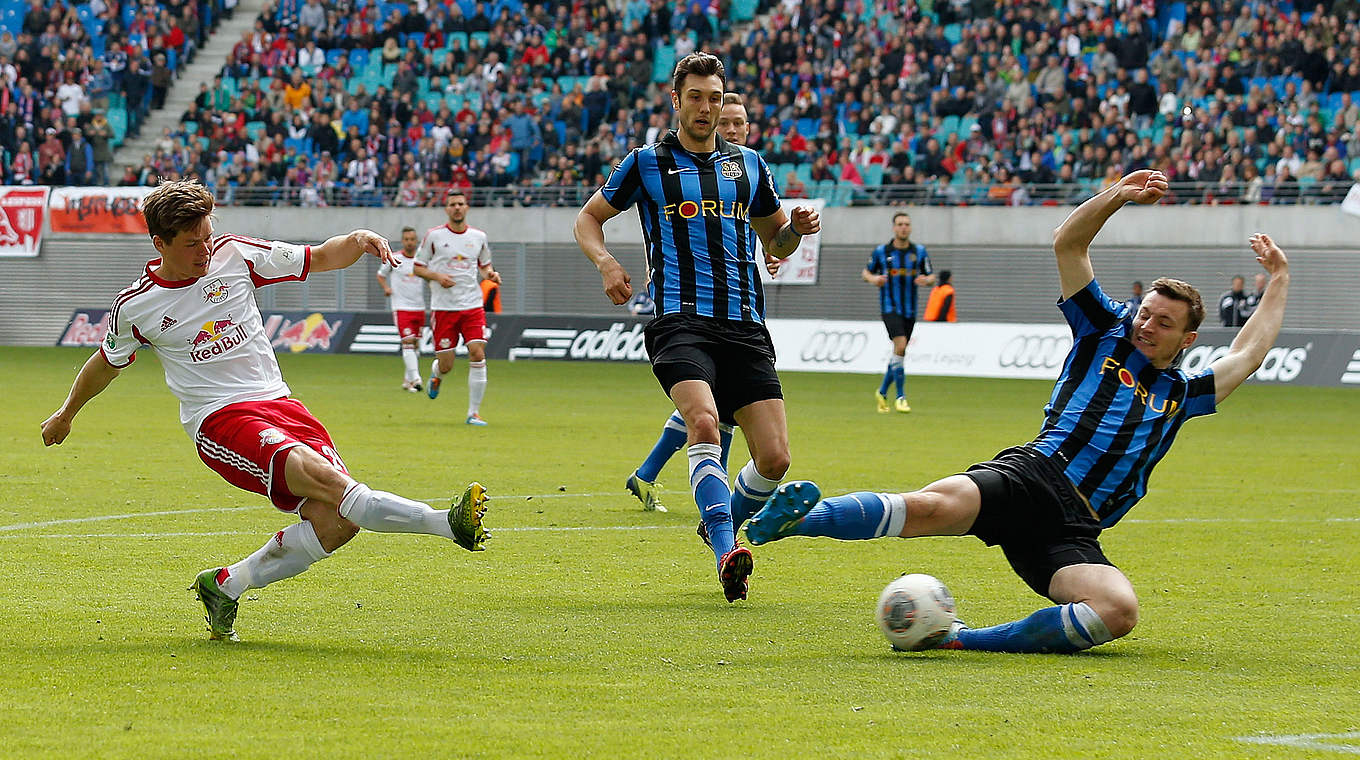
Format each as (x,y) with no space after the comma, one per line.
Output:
(691,209)
(215,291)
(215,338)
(1140,391)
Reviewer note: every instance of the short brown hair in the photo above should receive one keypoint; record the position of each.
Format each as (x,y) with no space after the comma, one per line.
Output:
(175,207)
(1179,290)
(700,64)
(734,98)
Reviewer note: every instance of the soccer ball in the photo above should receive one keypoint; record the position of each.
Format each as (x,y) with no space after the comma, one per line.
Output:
(915,612)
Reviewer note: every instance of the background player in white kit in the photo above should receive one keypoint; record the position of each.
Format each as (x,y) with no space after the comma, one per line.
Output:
(454,257)
(195,307)
(407,291)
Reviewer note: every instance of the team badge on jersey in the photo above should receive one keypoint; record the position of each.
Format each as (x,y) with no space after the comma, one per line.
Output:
(215,291)
(109,340)
(270,437)
(730,169)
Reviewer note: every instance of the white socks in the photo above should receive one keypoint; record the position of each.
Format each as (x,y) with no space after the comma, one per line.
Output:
(434,369)
(384,512)
(476,385)
(410,359)
(752,485)
(287,553)
(894,514)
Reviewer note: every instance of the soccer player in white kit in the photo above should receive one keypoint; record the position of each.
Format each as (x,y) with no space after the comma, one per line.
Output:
(195,307)
(406,289)
(455,257)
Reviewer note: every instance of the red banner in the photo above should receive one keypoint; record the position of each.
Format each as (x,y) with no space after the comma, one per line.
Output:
(98,210)
(21,220)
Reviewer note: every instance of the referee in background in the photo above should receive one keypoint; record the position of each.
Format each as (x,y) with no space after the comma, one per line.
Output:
(702,201)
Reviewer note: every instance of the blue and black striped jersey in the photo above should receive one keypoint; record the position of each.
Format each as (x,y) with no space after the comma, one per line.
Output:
(1113,415)
(898,294)
(702,251)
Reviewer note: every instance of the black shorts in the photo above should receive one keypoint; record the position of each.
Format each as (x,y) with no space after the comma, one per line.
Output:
(735,358)
(898,325)
(1035,514)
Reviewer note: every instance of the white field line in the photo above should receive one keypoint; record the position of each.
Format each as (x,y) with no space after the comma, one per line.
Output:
(1325,742)
(28,526)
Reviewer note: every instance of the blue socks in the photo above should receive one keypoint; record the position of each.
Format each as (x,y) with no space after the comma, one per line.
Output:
(856,516)
(709,482)
(1063,629)
(673,436)
(750,493)
(893,374)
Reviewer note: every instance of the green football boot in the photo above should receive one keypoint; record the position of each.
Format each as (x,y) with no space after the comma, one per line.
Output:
(220,608)
(465,518)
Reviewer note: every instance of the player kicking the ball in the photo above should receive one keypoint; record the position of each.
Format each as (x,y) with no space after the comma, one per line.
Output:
(1114,412)
(195,307)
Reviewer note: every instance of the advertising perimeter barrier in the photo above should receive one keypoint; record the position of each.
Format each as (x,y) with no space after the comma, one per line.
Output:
(969,349)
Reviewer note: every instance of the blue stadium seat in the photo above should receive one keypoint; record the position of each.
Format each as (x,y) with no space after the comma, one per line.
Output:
(335,56)
(358,59)
(253,129)
(460,36)
(873,175)
(481,37)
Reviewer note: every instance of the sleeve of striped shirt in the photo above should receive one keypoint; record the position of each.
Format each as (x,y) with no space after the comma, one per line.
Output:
(121,341)
(923,263)
(876,265)
(767,197)
(1200,396)
(624,186)
(1090,311)
(269,261)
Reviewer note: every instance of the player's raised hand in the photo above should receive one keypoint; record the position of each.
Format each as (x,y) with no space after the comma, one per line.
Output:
(1268,255)
(805,220)
(617,283)
(1145,186)
(55,429)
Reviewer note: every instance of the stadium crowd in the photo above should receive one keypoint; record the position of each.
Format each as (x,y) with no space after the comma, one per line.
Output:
(76,78)
(956,101)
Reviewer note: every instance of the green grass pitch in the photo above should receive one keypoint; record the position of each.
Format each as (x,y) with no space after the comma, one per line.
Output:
(592,629)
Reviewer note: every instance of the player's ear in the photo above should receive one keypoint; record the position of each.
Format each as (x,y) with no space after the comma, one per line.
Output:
(1189,338)
(160,243)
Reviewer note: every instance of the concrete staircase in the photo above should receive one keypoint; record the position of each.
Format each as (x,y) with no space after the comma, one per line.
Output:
(208,61)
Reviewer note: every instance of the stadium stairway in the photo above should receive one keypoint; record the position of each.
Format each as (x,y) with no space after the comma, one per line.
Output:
(208,62)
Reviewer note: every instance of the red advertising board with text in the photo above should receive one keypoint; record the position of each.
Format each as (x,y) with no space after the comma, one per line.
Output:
(21,220)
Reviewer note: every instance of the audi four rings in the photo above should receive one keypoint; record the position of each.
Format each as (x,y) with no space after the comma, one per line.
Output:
(1035,351)
(834,346)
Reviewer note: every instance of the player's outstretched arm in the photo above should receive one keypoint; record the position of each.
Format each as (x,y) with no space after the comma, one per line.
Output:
(93,378)
(1257,336)
(343,250)
(589,232)
(1072,239)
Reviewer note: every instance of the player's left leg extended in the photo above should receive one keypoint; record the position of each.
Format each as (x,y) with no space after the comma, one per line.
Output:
(946,507)
(476,380)
(1096,604)
(642,483)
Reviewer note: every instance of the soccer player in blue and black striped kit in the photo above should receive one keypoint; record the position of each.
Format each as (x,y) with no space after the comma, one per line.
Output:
(702,202)
(897,267)
(1113,414)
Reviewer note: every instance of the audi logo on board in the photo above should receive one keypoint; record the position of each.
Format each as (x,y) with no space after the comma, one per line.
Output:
(834,346)
(1035,351)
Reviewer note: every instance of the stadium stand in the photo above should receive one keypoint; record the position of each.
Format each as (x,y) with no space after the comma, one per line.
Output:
(951,101)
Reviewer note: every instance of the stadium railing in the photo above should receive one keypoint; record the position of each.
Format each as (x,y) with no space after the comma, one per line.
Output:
(926,194)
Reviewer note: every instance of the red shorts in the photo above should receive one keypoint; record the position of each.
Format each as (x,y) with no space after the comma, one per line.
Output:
(409,323)
(448,325)
(246,444)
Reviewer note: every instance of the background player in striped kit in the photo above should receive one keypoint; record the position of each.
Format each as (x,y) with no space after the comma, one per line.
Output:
(455,256)
(702,201)
(406,290)
(195,307)
(897,267)
(734,127)
(1113,414)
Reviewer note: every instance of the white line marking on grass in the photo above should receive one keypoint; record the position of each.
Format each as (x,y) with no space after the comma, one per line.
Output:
(1327,742)
(100,518)
(493,530)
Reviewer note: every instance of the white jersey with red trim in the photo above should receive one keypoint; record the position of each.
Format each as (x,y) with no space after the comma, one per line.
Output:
(408,290)
(207,331)
(459,254)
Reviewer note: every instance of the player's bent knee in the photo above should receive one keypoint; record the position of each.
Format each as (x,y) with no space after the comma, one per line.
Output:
(1119,612)
(773,464)
(703,426)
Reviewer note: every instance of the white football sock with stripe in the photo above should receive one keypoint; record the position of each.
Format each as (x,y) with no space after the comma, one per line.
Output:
(411,360)
(476,385)
(285,554)
(384,512)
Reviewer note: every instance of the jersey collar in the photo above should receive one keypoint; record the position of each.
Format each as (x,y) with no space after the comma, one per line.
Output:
(721,148)
(161,281)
